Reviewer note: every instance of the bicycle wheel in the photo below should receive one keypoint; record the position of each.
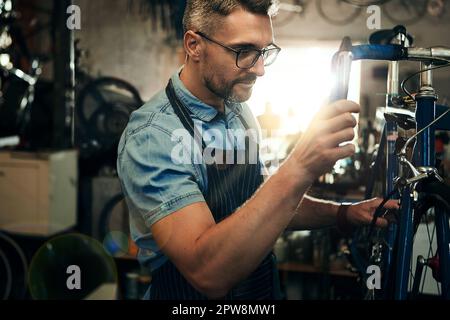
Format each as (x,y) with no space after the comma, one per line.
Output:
(287,12)
(424,252)
(114,226)
(405,12)
(13,269)
(366,3)
(431,221)
(412,269)
(423,278)
(103,108)
(337,12)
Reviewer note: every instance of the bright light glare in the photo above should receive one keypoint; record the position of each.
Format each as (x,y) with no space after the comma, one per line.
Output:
(298,84)
(4,59)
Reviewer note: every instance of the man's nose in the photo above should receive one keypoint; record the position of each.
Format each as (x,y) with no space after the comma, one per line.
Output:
(258,68)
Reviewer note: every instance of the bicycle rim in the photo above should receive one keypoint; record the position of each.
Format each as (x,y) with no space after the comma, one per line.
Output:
(404,12)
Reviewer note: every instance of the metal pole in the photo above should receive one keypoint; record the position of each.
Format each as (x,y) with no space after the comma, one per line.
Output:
(64,77)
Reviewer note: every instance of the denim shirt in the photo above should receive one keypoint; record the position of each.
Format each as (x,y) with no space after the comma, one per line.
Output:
(153,183)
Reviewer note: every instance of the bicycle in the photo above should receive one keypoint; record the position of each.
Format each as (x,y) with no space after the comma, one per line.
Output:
(17,83)
(343,12)
(410,174)
(287,11)
(103,106)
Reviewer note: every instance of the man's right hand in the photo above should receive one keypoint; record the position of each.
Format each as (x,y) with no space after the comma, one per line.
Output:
(318,148)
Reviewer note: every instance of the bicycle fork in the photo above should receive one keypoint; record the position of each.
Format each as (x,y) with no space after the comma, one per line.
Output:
(424,156)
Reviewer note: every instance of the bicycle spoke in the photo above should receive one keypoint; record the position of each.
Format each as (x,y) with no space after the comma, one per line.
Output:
(438,287)
(430,252)
(411,273)
(411,276)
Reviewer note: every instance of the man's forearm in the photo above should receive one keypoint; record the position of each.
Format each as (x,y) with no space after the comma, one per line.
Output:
(313,213)
(239,243)
(254,228)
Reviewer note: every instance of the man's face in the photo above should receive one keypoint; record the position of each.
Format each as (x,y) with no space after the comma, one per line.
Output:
(240,30)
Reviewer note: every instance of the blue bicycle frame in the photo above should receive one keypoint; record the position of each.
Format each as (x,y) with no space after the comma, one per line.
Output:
(423,156)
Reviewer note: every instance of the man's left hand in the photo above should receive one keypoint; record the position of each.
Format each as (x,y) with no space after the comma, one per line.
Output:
(361,213)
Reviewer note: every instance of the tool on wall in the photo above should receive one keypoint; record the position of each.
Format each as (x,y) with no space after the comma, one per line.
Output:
(17,82)
(164,14)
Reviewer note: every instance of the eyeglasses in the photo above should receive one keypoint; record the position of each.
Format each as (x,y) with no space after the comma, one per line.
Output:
(247,58)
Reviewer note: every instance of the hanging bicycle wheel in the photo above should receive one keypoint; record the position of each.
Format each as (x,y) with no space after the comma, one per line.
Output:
(337,12)
(287,12)
(366,3)
(405,12)
(13,269)
(114,226)
(103,109)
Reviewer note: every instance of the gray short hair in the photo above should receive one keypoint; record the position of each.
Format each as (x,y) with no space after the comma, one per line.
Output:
(201,15)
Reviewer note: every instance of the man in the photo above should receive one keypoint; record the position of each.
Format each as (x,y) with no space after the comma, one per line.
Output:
(207,230)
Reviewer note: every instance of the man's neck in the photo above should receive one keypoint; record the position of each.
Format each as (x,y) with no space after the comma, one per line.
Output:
(195,85)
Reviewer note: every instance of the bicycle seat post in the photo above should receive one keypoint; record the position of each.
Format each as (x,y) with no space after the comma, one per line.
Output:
(425,114)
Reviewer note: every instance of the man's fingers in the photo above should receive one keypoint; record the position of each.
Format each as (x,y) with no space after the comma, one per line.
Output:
(392,204)
(375,202)
(338,107)
(382,223)
(342,121)
(339,137)
(343,152)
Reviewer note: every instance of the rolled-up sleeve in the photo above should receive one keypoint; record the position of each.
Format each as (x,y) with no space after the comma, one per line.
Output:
(154,183)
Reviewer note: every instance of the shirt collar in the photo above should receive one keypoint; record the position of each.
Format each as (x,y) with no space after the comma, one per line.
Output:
(200,109)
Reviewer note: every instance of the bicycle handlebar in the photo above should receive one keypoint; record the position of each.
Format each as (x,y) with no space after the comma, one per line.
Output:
(391,52)
(434,53)
(395,52)
(342,59)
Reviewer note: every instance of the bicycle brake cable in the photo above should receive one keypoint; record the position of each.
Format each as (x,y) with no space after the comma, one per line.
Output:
(403,150)
(378,212)
(403,84)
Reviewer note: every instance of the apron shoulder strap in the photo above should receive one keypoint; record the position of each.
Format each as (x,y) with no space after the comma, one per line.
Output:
(183,114)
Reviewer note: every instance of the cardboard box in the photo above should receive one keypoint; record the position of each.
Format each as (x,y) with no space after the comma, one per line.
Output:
(38,192)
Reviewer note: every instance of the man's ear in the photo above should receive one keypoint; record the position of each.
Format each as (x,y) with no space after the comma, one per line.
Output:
(192,45)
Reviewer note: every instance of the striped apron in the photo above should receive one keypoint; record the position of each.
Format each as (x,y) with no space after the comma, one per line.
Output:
(229,187)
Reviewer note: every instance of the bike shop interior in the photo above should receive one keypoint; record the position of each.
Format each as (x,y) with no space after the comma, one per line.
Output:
(72,72)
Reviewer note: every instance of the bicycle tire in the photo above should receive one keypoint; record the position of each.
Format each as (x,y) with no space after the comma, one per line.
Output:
(105,215)
(347,19)
(19,275)
(435,187)
(8,272)
(93,91)
(362,3)
(424,246)
(282,19)
(432,194)
(429,253)
(391,9)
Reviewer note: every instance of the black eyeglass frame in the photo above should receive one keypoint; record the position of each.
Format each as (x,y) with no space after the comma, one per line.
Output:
(261,52)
